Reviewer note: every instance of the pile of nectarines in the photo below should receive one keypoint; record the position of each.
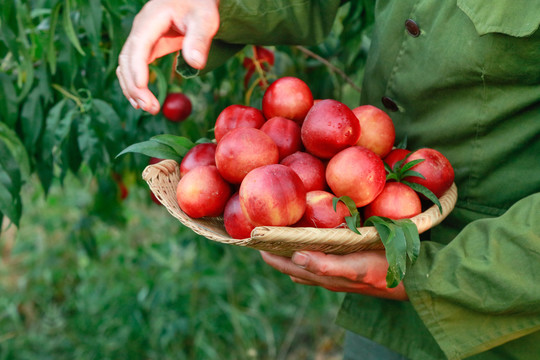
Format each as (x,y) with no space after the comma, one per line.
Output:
(284,164)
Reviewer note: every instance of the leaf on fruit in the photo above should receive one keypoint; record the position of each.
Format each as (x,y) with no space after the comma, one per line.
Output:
(353,221)
(426,192)
(405,169)
(390,175)
(402,245)
(402,144)
(203,140)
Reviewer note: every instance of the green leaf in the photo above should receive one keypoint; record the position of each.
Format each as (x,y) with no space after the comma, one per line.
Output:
(32,119)
(409,164)
(24,55)
(426,192)
(90,144)
(10,185)
(153,149)
(161,81)
(108,115)
(92,20)
(392,176)
(395,248)
(203,141)
(353,221)
(184,69)
(411,173)
(71,154)
(180,144)
(402,144)
(45,170)
(347,201)
(11,141)
(412,237)
(399,164)
(69,29)
(51,49)
(8,100)
(27,76)
(51,123)
(64,125)
(401,242)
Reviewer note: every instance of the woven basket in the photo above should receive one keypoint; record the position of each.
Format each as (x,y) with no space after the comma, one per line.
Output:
(163,178)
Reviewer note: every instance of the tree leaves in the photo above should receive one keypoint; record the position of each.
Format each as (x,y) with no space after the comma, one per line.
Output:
(62,100)
(14,169)
(69,28)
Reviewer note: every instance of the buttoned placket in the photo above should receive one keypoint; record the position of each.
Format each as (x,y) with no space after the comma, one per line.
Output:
(412,29)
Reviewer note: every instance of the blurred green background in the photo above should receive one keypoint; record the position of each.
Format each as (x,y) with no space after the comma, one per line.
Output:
(90,266)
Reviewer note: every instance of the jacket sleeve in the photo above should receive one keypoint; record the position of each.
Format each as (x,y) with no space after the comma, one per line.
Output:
(259,22)
(481,290)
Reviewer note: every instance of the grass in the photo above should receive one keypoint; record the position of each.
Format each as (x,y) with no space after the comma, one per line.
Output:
(138,285)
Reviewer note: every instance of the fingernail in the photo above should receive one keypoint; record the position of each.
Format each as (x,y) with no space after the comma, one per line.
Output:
(300,259)
(133,103)
(142,104)
(197,58)
(155,106)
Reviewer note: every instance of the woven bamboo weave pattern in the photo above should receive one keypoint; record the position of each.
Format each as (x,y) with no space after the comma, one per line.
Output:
(163,177)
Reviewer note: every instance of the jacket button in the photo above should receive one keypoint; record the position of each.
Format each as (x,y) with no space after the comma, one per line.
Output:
(412,28)
(389,103)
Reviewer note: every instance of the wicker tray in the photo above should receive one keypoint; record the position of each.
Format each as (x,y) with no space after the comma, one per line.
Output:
(163,178)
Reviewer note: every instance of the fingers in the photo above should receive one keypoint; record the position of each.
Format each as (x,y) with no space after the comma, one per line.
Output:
(139,98)
(362,272)
(123,86)
(160,28)
(302,275)
(322,264)
(149,35)
(283,264)
(200,30)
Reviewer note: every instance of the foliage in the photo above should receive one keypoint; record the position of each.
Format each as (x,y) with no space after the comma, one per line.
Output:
(94,276)
(63,108)
(152,290)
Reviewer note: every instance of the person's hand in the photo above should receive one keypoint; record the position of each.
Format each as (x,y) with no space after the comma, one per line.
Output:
(361,272)
(160,28)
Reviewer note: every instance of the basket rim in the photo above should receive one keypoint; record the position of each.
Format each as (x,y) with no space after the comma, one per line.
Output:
(167,171)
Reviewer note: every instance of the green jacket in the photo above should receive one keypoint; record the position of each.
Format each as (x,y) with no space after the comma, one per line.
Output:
(464,78)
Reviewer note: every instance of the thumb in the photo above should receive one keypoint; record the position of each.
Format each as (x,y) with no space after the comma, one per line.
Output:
(347,266)
(200,30)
